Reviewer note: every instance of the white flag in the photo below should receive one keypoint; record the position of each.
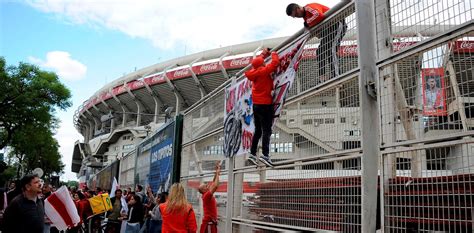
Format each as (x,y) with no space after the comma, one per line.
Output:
(114,187)
(61,210)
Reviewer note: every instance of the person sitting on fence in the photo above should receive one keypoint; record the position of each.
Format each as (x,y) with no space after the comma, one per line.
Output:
(262,87)
(209,204)
(177,214)
(331,36)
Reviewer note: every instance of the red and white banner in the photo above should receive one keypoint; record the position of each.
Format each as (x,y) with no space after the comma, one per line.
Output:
(238,116)
(61,210)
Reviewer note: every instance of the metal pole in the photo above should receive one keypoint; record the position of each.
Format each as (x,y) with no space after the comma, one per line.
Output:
(365,13)
(230,195)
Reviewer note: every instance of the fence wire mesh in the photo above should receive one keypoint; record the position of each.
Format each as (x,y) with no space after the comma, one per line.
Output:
(321,194)
(428,94)
(429,189)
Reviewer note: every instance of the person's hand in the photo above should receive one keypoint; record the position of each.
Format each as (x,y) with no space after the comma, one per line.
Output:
(265,52)
(218,165)
(149,212)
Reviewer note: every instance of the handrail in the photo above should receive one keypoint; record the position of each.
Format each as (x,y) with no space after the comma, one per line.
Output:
(328,15)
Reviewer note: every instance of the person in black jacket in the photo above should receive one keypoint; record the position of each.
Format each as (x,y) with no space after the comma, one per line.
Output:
(135,215)
(25,213)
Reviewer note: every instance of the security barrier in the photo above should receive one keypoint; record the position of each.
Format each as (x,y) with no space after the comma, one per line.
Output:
(423,93)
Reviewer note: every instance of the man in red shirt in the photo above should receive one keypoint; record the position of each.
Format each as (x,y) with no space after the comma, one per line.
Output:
(262,87)
(209,221)
(331,36)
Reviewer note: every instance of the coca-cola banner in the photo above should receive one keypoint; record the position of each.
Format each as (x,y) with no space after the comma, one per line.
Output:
(464,46)
(238,115)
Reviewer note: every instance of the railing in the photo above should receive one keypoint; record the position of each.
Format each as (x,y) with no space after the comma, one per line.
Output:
(320,182)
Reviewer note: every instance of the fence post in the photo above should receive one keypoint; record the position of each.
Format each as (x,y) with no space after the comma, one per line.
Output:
(230,194)
(366,39)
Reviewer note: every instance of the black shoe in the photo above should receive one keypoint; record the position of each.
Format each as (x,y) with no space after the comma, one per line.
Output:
(253,159)
(266,160)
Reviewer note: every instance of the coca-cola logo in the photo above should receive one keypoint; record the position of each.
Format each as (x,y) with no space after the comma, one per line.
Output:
(240,61)
(156,79)
(209,67)
(466,45)
(309,53)
(349,50)
(119,90)
(401,45)
(181,73)
(137,84)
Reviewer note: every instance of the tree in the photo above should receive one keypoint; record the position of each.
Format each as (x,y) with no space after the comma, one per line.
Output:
(41,151)
(29,96)
(28,102)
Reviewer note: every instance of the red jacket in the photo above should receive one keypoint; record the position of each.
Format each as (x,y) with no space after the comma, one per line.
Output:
(262,82)
(314,13)
(184,222)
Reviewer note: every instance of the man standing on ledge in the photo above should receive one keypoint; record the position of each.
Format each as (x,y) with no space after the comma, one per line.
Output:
(262,87)
(209,221)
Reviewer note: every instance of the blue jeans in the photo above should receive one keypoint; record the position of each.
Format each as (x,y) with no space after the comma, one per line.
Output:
(132,228)
(155,226)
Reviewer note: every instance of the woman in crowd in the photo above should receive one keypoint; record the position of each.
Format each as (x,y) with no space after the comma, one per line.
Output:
(156,219)
(135,215)
(177,214)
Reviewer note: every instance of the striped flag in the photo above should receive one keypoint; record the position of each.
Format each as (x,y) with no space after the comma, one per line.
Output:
(61,210)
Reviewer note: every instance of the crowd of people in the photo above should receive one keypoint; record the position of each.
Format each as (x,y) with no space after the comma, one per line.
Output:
(133,211)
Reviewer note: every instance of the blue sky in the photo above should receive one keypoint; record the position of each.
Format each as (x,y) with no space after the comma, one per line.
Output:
(89,43)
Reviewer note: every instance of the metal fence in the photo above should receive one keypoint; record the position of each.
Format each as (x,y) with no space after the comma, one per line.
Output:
(423,93)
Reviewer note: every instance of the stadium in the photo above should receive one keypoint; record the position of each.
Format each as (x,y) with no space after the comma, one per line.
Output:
(422,173)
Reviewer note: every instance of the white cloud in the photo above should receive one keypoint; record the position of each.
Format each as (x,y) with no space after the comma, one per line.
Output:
(62,63)
(197,24)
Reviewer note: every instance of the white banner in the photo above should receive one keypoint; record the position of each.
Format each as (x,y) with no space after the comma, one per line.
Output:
(238,116)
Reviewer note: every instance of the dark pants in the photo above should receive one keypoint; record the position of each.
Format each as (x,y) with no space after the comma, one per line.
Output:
(155,226)
(326,54)
(263,119)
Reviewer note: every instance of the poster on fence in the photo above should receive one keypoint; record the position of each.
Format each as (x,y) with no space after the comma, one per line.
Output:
(238,116)
(434,97)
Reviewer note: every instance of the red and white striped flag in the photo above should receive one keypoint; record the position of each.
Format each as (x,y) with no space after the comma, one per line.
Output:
(61,210)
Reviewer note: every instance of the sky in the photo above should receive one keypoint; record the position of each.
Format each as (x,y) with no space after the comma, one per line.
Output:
(89,43)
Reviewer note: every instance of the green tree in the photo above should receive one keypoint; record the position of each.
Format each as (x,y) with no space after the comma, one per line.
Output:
(29,96)
(28,103)
(41,151)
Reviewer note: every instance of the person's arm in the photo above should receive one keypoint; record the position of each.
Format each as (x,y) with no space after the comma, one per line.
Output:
(274,64)
(215,181)
(191,221)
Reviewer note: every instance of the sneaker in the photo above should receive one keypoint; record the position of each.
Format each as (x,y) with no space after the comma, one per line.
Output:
(253,159)
(266,160)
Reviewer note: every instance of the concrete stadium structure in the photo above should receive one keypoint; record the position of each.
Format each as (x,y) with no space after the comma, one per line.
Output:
(122,113)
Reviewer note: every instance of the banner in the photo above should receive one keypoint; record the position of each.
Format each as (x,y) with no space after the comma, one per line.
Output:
(238,116)
(434,96)
(161,160)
